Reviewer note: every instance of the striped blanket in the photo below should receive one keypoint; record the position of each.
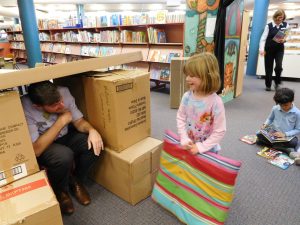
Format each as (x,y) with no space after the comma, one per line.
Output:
(198,189)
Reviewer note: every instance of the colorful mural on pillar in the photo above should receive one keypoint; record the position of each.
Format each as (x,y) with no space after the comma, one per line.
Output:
(199,26)
(234,14)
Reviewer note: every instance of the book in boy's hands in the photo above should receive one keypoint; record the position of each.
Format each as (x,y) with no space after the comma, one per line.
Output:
(249,139)
(269,153)
(268,133)
(281,35)
(282,161)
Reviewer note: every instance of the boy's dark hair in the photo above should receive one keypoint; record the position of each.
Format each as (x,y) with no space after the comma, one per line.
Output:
(283,95)
(43,93)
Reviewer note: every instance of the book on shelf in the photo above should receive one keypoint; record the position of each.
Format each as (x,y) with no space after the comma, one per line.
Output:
(268,133)
(249,139)
(171,55)
(281,35)
(154,55)
(282,161)
(269,153)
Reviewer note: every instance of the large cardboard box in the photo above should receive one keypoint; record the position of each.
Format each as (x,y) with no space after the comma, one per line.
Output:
(178,83)
(29,201)
(17,158)
(130,173)
(118,106)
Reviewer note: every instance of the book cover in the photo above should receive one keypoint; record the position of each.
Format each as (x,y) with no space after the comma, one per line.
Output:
(281,35)
(268,132)
(282,161)
(249,139)
(171,55)
(269,153)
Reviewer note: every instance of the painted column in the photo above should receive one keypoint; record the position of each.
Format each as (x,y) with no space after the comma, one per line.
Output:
(30,32)
(260,15)
(80,13)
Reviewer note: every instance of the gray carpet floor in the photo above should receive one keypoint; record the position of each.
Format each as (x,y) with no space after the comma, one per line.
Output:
(264,195)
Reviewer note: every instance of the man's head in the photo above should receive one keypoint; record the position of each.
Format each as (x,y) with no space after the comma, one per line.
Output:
(44,95)
(284,97)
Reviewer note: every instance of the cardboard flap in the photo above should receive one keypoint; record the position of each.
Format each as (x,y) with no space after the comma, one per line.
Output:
(28,76)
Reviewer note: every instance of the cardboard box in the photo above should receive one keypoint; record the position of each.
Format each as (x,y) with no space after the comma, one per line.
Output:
(17,158)
(29,201)
(118,106)
(28,76)
(129,174)
(178,83)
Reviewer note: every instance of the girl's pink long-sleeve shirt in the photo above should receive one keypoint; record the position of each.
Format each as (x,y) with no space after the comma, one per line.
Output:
(201,121)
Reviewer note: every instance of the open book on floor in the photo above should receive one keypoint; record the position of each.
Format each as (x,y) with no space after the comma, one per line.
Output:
(268,133)
(282,161)
(269,153)
(249,139)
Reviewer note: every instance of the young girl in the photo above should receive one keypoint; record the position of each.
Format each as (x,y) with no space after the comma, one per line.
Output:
(201,119)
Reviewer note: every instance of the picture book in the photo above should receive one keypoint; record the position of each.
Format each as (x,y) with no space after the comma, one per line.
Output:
(171,55)
(282,161)
(281,35)
(268,133)
(268,153)
(249,139)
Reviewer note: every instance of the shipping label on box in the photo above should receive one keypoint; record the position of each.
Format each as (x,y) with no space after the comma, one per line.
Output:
(118,106)
(17,158)
(29,201)
(130,173)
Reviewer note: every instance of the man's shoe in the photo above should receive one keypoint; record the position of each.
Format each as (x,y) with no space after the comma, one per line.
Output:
(277,86)
(268,89)
(65,203)
(294,155)
(80,193)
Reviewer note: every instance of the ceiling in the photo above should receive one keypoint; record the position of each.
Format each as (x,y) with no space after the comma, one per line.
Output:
(8,7)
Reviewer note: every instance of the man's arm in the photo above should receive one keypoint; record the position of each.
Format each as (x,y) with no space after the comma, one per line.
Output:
(94,138)
(50,135)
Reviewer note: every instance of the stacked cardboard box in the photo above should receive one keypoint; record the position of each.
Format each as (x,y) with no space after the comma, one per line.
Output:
(29,201)
(117,104)
(25,195)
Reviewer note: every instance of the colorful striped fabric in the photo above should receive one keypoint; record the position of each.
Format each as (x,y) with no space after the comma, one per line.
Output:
(197,189)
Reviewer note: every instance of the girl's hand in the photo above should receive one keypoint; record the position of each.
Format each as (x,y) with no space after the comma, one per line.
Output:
(194,150)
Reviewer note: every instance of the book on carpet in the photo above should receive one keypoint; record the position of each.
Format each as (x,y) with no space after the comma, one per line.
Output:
(282,161)
(249,139)
(268,133)
(269,153)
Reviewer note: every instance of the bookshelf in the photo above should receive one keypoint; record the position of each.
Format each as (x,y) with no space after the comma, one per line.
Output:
(157,42)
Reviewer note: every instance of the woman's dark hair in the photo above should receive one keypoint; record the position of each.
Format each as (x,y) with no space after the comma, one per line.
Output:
(43,93)
(283,95)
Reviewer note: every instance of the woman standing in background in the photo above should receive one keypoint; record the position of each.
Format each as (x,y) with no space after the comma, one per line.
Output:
(273,49)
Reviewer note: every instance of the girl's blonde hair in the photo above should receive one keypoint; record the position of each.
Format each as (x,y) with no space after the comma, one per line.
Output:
(279,12)
(206,67)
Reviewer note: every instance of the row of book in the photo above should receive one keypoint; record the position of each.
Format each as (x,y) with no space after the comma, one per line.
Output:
(156,35)
(153,55)
(162,56)
(115,19)
(108,36)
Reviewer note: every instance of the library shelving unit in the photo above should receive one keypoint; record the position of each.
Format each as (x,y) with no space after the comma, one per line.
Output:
(291,55)
(157,42)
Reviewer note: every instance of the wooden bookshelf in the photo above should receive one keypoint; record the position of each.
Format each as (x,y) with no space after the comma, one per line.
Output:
(157,42)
